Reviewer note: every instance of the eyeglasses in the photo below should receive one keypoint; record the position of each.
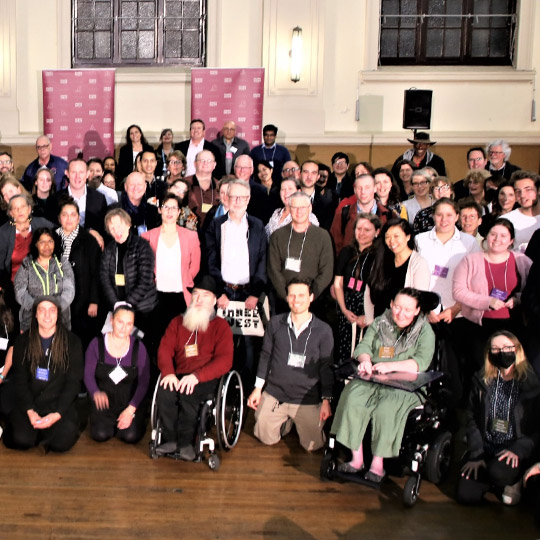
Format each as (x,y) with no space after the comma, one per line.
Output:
(170,208)
(340,162)
(476,159)
(205,160)
(506,348)
(238,198)
(444,187)
(43,242)
(424,183)
(240,168)
(291,169)
(298,207)
(43,147)
(175,162)
(493,153)
(5,162)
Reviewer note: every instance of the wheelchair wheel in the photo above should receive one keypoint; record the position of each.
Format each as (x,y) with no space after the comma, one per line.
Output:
(411,491)
(229,410)
(438,458)
(214,462)
(328,467)
(155,437)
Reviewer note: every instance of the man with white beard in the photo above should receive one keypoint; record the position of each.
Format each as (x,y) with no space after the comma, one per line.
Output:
(196,350)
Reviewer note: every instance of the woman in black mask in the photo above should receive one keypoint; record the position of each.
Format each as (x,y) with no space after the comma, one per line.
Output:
(502,423)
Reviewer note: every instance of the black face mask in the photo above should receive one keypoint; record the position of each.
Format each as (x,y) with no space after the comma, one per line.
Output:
(502,359)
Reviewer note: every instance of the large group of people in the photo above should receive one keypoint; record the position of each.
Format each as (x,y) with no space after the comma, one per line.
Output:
(113,270)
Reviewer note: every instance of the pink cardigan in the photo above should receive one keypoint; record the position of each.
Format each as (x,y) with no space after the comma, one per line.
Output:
(470,286)
(191,254)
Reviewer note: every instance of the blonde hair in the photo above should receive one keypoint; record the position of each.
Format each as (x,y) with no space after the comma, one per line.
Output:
(521,366)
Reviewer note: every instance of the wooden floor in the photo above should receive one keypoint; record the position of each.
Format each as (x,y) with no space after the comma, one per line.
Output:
(114,491)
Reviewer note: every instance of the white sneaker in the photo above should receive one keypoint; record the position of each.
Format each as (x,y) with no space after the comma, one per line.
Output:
(512,494)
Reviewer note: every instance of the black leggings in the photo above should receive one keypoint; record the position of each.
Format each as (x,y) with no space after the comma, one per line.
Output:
(495,475)
(60,437)
(103,426)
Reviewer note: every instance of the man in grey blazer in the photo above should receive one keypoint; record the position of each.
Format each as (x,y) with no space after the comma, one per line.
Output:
(230,146)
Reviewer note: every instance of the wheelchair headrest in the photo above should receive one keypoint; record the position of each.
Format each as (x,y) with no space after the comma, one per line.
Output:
(429,301)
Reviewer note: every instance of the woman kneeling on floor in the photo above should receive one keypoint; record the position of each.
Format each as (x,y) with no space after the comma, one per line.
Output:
(401,339)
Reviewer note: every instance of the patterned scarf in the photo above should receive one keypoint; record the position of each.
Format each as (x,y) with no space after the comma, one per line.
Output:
(67,240)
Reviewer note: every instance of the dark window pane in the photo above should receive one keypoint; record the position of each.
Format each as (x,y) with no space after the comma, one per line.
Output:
(146,45)
(498,43)
(173,44)
(481,6)
(391,7)
(129,15)
(389,39)
(103,45)
(147,13)
(129,45)
(452,43)
(190,44)
(499,6)
(480,43)
(191,9)
(434,44)
(85,16)
(103,16)
(407,44)
(85,45)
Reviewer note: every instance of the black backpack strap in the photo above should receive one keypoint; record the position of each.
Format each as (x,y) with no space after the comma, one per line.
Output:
(135,352)
(101,349)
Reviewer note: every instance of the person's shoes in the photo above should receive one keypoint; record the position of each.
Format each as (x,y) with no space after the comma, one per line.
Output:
(511,495)
(166,448)
(374,477)
(346,467)
(187,453)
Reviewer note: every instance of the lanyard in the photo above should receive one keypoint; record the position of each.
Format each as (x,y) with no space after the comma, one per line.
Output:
(305,346)
(495,400)
(493,279)
(289,243)
(190,336)
(211,189)
(362,268)
(273,153)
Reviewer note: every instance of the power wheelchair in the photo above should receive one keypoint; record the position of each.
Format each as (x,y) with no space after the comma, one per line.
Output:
(426,446)
(225,411)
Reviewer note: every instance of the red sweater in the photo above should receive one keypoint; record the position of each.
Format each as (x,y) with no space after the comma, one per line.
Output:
(215,350)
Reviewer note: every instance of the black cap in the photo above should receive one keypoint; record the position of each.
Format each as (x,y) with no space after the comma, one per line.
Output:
(206,283)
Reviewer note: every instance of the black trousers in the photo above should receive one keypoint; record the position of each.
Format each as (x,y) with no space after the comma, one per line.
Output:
(103,426)
(60,437)
(179,412)
(494,476)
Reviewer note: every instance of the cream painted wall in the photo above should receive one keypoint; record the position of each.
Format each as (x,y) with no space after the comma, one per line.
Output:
(340,59)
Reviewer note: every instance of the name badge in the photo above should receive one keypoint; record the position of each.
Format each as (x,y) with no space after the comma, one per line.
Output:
(117,374)
(234,149)
(498,294)
(205,208)
(440,271)
(42,374)
(228,155)
(4,343)
(271,161)
(386,352)
(296,360)
(152,200)
(141,229)
(292,264)
(355,284)
(120,280)
(191,350)
(499,425)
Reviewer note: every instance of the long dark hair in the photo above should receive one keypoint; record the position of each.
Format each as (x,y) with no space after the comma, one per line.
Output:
(394,195)
(59,347)
(144,142)
(6,317)
(496,207)
(36,235)
(381,273)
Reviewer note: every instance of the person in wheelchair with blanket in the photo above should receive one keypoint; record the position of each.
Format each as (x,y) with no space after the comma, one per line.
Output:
(400,340)
(196,350)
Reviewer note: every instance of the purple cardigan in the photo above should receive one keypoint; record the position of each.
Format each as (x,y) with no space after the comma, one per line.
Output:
(470,285)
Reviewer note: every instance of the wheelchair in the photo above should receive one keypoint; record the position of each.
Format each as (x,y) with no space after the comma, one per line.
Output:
(225,411)
(426,447)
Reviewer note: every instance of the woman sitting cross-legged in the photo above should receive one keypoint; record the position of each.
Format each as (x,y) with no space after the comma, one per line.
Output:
(401,339)
(116,374)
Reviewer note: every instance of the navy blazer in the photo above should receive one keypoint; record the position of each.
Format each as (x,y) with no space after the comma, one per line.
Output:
(96,208)
(219,171)
(257,254)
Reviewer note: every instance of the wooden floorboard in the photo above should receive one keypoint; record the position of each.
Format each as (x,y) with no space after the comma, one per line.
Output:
(114,491)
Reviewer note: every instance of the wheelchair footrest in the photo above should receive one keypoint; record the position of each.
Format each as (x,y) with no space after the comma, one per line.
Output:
(358,479)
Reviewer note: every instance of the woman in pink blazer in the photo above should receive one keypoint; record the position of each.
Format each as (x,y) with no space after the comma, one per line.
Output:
(178,258)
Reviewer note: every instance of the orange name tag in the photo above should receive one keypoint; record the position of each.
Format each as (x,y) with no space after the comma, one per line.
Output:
(386,352)
(205,208)
(191,350)
(120,280)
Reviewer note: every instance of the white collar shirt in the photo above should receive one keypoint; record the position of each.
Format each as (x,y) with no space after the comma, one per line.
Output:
(192,152)
(235,251)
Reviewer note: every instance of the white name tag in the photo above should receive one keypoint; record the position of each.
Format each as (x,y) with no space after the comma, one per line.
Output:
(117,375)
(3,343)
(296,360)
(292,264)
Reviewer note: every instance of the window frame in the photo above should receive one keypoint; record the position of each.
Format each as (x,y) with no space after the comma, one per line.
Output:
(420,57)
(159,30)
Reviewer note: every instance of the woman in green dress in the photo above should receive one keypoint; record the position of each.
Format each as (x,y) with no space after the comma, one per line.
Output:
(400,340)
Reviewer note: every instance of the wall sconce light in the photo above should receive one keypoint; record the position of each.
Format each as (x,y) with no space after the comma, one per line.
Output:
(296,54)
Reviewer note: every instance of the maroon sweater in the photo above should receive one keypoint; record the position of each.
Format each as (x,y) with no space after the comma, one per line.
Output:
(215,350)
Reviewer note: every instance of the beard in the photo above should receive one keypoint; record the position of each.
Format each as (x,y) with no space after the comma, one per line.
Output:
(197,318)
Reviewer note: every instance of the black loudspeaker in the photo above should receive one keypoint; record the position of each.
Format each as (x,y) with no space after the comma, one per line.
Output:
(417,109)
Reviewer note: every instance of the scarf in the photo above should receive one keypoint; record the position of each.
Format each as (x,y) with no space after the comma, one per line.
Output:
(67,240)
(386,330)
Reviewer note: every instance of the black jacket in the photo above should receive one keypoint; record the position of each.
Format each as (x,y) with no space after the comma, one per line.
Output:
(125,161)
(138,264)
(219,170)
(525,416)
(96,208)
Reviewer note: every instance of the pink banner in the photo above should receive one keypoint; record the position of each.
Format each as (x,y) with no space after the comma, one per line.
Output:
(218,95)
(78,111)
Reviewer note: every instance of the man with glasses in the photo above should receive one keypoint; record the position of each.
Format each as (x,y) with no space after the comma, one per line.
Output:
(236,251)
(45,159)
(203,193)
(290,171)
(526,218)
(476,159)
(300,250)
(470,219)
(196,144)
(270,151)
(6,163)
(230,147)
(340,182)
(498,152)
(363,201)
